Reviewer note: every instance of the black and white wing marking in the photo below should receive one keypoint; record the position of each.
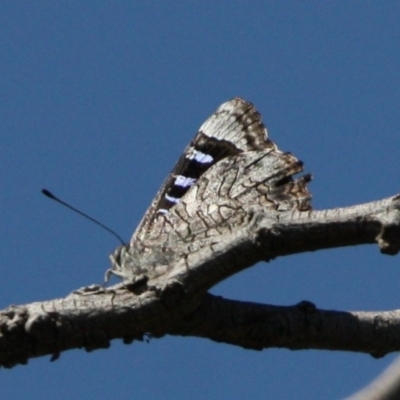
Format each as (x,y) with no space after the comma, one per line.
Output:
(235,127)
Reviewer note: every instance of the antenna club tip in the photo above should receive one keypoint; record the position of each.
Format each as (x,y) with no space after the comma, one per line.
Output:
(48,193)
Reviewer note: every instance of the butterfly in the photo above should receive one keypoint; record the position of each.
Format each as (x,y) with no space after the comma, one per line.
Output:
(228,171)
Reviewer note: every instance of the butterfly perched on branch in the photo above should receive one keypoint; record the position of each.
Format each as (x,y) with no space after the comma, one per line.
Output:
(229,170)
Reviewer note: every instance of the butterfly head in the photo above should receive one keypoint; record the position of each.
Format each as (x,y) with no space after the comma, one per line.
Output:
(135,262)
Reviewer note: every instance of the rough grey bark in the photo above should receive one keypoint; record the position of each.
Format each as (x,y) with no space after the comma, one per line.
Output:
(175,301)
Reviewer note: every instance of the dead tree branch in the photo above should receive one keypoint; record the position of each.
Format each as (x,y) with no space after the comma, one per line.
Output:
(176,301)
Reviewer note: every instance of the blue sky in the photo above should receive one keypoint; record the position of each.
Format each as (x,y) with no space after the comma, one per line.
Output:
(98,99)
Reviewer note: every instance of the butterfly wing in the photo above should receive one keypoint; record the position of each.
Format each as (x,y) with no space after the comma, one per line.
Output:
(234,128)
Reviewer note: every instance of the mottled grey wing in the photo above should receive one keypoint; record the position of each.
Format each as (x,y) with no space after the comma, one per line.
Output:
(234,128)
(227,195)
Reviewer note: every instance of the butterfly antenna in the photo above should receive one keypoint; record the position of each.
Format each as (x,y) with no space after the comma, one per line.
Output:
(55,198)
